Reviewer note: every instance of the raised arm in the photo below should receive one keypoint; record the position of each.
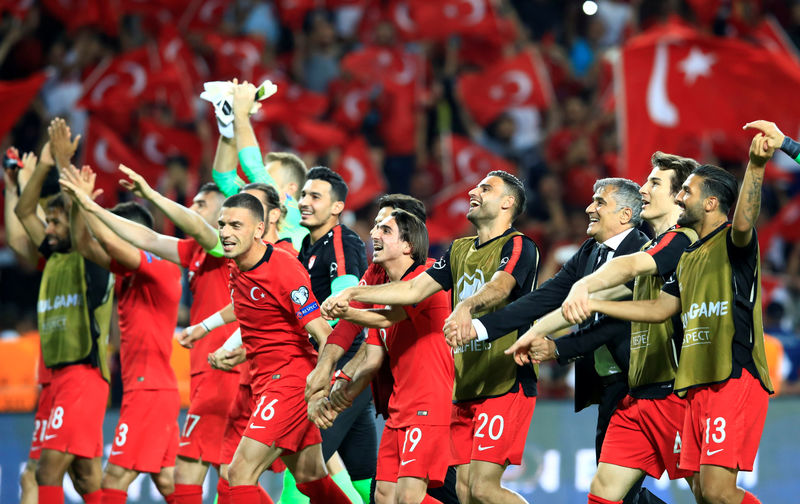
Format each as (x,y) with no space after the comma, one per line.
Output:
(224,169)
(244,105)
(115,248)
(395,293)
(16,237)
(652,311)
(749,204)
(28,201)
(189,221)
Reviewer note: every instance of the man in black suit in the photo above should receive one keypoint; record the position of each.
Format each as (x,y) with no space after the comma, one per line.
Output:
(600,375)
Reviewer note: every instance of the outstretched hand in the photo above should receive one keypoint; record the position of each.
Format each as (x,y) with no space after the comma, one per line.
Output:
(761,150)
(190,334)
(62,145)
(244,96)
(137,184)
(522,348)
(769,130)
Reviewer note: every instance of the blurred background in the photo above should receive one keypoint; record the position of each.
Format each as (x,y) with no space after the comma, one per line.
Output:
(422,97)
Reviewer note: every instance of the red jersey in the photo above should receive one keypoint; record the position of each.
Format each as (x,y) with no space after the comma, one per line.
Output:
(148,312)
(273,302)
(421,362)
(208,282)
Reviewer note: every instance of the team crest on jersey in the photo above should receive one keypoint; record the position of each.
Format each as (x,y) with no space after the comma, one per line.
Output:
(311,261)
(300,295)
(440,264)
(334,267)
(469,284)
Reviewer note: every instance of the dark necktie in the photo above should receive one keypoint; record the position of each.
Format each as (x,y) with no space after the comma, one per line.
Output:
(602,256)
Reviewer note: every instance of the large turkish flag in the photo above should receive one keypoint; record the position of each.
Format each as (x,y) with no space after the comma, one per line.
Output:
(684,92)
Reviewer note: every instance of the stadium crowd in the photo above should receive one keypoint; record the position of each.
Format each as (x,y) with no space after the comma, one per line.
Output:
(403,115)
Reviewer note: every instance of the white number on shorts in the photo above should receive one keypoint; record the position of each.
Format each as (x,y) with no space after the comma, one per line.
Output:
(122,434)
(268,408)
(57,417)
(415,436)
(187,429)
(676,448)
(36,426)
(485,419)
(719,426)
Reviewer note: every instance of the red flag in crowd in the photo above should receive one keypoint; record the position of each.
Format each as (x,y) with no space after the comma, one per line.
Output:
(18,8)
(440,20)
(120,81)
(682,89)
(79,13)
(315,137)
(104,152)
(235,56)
(202,15)
(15,96)
(518,81)
(447,217)
(292,13)
(351,103)
(363,179)
(470,162)
(769,33)
(391,67)
(395,12)
(785,224)
(157,143)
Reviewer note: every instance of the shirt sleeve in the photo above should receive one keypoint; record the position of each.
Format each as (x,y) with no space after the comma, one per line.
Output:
(671,287)
(518,256)
(667,252)
(186,249)
(440,271)
(296,287)
(349,257)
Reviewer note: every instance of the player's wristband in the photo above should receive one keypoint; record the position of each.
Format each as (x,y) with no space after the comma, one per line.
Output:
(213,322)
(228,182)
(555,350)
(234,342)
(792,148)
(217,251)
(340,375)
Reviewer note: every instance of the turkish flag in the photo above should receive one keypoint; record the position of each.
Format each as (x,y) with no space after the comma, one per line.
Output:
(104,152)
(518,81)
(470,162)
(351,103)
(292,103)
(235,57)
(202,15)
(447,218)
(395,12)
(15,96)
(118,82)
(292,13)
(444,18)
(364,181)
(682,89)
(315,137)
(75,14)
(157,143)
(391,67)
(769,34)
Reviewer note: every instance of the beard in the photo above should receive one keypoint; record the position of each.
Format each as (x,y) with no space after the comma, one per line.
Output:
(61,245)
(688,219)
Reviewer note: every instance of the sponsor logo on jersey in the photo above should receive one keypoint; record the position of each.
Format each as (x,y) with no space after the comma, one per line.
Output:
(60,301)
(468,284)
(710,309)
(311,261)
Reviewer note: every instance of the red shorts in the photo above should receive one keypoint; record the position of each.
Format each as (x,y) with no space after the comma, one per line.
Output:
(491,430)
(40,420)
(212,394)
(723,424)
(146,437)
(413,451)
(280,415)
(75,424)
(645,434)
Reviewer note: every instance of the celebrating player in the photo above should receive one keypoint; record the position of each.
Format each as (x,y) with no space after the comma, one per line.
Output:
(722,370)
(494,400)
(149,291)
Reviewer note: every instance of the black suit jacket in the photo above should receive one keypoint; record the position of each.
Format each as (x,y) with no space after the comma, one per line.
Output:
(612,332)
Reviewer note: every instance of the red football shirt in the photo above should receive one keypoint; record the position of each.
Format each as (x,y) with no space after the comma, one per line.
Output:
(208,282)
(273,302)
(148,312)
(421,362)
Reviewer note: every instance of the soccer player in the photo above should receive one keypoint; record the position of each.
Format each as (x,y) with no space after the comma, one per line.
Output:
(284,171)
(270,284)
(643,433)
(335,258)
(212,391)
(74,309)
(722,370)
(494,400)
(149,292)
(409,458)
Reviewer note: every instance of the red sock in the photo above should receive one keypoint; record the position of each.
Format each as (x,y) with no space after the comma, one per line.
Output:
(593,499)
(111,496)
(750,498)
(265,499)
(51,494)
(430,500)
(95,497)
(323,491)
(245,494)
(223,492)
(170,498)
(187,494)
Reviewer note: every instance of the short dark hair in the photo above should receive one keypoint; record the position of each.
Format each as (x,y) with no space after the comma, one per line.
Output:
(134,212)
(515,188)
(338,186)
(680,166)
(413,231)
(57,202)
(210,187)
(718,183)
(271,199)
(292,168)
(404,202)
(247,201)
